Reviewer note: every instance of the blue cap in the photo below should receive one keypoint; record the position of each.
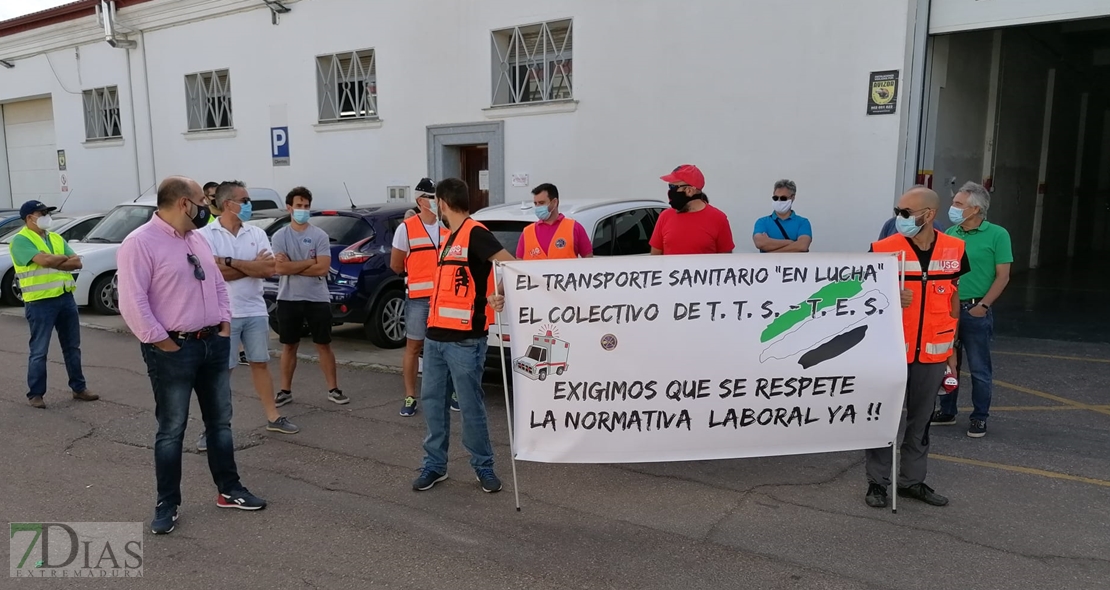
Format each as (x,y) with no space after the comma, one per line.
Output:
(34,207)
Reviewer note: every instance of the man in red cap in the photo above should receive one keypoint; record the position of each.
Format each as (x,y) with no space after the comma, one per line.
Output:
(691,225)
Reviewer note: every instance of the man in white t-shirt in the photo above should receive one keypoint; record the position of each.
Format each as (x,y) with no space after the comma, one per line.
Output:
(243,255)
(415,247)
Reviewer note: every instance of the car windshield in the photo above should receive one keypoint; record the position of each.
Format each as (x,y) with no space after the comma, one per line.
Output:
(120,222)
(507,232)
(535,353)
(9,232)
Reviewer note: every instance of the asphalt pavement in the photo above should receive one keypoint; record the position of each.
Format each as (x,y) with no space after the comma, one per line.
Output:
(1030,502)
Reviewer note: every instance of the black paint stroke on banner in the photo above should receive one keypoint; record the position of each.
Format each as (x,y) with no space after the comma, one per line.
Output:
(839,345)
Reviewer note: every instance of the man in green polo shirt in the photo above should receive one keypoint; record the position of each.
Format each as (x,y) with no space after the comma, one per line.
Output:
(988,249)
(44,264)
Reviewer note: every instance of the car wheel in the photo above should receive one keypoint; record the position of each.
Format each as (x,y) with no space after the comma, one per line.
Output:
(100,297)
(9,289)
(543,374)
(271,311)
(559,371)
(385,328)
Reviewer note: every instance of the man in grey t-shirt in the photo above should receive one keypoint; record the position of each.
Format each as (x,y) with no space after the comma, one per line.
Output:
(302,253)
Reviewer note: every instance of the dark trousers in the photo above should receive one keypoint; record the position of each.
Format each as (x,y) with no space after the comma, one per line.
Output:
(913,429)
(200,365)
(974,342)
(43,317)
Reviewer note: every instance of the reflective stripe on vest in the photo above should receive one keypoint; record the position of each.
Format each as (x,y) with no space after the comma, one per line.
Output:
(561,246)
(453,298)
(38,282)
(927,323)
(420,262)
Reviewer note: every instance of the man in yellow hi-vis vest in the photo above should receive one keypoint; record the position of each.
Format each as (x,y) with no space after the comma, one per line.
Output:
(43,265)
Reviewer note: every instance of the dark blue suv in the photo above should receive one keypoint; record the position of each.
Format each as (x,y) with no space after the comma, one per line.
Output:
(364,289)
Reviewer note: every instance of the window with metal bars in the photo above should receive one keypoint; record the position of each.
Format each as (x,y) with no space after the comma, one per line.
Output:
(347,86)
(208,100)
(101,113)
(533,63)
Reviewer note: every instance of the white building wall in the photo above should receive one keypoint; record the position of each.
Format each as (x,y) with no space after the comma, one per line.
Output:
(100,174)
(748,91)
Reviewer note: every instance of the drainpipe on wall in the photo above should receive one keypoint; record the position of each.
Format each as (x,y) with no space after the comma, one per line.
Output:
(106,14)
(913,91)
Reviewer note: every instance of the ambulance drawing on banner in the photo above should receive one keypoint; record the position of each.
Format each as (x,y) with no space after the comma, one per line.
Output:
(546,355)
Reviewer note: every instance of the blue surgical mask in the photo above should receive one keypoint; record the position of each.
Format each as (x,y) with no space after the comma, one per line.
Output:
(301,215)
(245,211)
(907,226)
(542,212)
(955,215)
(433,206)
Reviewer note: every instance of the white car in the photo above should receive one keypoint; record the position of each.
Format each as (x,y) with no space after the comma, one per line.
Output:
(616,228)
(71,226)
(98,249)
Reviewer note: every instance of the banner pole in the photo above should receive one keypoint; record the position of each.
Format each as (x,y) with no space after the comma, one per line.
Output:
(894,445)
(498,277)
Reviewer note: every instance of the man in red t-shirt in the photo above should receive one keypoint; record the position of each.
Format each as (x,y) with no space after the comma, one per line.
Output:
(691,225)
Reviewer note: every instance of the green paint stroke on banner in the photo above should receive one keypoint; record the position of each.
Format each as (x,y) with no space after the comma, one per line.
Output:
(828,295)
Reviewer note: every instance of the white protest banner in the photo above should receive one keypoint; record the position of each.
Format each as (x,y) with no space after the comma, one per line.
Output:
(668,358)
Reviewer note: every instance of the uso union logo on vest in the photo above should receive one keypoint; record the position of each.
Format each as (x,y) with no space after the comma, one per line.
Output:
(949,260)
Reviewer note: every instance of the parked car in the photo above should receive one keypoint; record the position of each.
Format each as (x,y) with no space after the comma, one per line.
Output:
(8,220)
(265,199)
(363,288)
(72,228)
(617,228)
(98,253)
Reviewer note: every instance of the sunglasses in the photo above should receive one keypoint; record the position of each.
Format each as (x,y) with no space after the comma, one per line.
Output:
(906,213)
(778,198)
(198,272)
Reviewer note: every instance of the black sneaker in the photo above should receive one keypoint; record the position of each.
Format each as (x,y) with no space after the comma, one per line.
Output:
(165,519)
(283,397)
(978,429)
(942,419)
(489,480)
(243,358)
(427,479)
(241,499)
(409,409)
(337,396)
(876,496)
(920,491)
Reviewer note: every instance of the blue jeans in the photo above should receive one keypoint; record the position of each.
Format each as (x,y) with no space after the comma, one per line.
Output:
(44,316)
(975,342)
(455,366)
(200,365)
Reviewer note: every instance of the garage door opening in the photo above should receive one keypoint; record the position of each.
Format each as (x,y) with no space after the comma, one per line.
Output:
(1026,111)
(28,147)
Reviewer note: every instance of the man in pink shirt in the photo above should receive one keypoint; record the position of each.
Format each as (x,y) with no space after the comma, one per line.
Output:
(554,235)
(175,301)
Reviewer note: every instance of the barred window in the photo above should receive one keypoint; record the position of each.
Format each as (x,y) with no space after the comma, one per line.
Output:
(533,63)
(101,113)
(208,100)
(347,86)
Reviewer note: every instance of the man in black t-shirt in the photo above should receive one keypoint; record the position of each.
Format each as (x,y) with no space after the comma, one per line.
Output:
(455,343)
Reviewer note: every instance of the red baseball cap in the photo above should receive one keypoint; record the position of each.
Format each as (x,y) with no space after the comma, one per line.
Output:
(687,173)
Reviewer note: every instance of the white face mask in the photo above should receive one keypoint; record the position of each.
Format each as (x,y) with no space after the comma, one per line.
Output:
(45,222)
(783,206)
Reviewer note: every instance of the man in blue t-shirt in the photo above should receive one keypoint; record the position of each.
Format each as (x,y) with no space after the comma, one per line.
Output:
(784,230)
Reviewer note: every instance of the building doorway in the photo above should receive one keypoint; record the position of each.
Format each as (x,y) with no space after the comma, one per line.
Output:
(473,152)
(474,163)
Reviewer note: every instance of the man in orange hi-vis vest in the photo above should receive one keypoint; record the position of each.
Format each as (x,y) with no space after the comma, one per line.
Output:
(464,299)
(934,263)
(554,235)
(415,245)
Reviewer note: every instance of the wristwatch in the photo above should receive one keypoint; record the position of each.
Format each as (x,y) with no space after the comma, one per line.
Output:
(227,261)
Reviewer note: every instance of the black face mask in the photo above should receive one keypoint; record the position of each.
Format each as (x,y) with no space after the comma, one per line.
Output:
(678,199)
(200,218)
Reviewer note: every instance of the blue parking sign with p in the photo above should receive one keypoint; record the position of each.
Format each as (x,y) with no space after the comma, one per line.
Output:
(279,145)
